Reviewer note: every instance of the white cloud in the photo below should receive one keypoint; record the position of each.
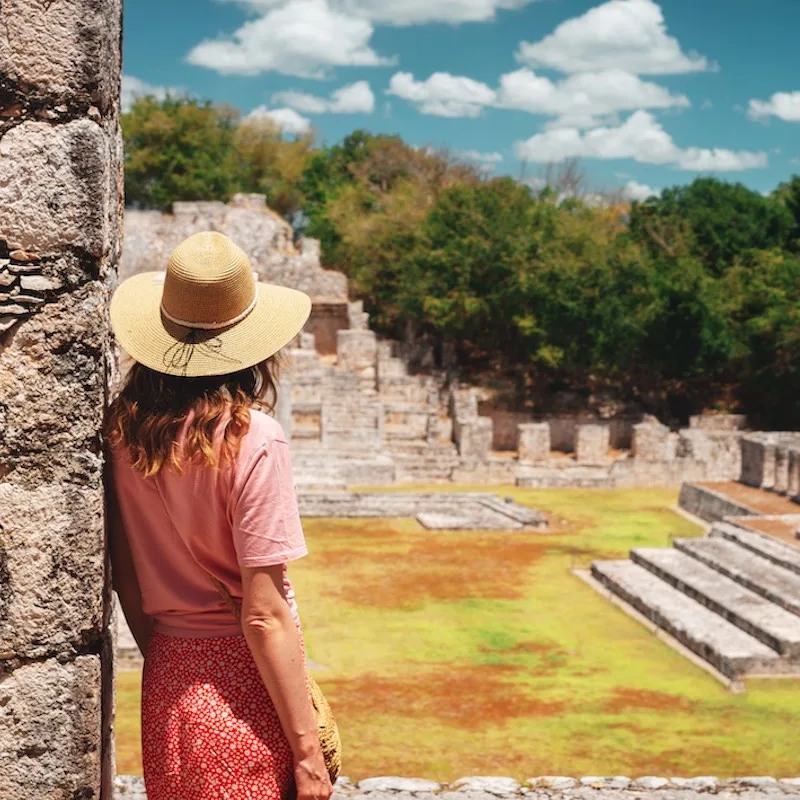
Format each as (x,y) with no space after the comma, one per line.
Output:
(356,98)
(133,87)
(442,94)
(580,99)
(783,105)
(639,191)
(287,119)
(306,38)
(641,138)
(629,35)
(408,12)
(487,159)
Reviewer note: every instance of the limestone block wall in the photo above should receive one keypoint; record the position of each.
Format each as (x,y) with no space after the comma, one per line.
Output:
(60,202)
(150,237)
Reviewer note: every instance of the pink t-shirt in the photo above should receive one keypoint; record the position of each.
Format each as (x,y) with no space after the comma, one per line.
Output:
(242,514)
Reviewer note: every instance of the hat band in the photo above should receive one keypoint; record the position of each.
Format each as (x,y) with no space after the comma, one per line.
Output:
(210,326)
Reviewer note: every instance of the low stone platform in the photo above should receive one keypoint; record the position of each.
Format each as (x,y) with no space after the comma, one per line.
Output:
(434,510)
(730,599)
(551,787)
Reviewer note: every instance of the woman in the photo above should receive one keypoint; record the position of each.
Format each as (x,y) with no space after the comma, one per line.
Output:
(202,509)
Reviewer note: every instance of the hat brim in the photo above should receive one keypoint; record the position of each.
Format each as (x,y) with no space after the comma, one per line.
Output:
(151,339)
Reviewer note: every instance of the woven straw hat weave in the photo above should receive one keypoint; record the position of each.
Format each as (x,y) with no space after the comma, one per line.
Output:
(207,314)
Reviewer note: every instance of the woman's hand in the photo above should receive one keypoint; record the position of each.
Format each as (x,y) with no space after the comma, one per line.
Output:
(311,778)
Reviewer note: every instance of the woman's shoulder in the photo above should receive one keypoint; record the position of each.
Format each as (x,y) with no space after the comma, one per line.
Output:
(264,429)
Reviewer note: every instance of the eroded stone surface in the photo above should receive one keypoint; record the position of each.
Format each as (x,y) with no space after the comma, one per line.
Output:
(49,729)
(54,184)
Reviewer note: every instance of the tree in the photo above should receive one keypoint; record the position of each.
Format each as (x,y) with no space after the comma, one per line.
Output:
(178,149)
(267,163)
(717,222)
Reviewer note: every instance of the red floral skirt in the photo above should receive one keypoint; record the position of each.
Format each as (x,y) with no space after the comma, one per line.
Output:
(209,728)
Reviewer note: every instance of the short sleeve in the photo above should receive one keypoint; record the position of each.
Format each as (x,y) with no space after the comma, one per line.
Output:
(265,518)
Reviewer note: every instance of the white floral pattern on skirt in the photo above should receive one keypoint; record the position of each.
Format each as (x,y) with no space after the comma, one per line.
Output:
(209,728)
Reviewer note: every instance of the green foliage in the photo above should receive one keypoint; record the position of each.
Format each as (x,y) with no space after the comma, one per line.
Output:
(178,149)
(719,223)
(691,298)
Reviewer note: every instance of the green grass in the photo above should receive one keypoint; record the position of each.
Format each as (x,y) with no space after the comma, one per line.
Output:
(449,654)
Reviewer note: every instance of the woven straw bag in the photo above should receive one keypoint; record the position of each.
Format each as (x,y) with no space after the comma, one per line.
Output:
(328,731)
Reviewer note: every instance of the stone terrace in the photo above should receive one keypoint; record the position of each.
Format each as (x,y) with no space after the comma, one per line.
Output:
(732,598)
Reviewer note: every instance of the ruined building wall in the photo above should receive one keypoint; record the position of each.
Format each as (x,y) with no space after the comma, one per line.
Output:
(60,210)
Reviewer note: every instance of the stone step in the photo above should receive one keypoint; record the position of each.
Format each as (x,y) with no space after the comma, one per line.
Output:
(753,572)
(728,649)
(766,621)
(784,555)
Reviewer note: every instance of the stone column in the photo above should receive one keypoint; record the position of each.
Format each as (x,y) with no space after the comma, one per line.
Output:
(591,444)
(534,442)
(60,208)
(650,441)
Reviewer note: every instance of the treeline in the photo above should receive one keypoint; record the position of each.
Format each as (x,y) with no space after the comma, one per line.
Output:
(687,301)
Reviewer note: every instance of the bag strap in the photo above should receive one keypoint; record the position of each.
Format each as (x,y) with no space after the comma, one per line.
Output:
(226,596)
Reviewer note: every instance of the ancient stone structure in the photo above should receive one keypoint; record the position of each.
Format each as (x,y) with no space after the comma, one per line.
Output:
(534,442)
(591,444)
(732,598)
(60,209)
(548,787)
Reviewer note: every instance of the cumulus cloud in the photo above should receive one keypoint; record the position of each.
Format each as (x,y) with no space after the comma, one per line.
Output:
(287,119)
(443,94)
(629,35)
(641,138)
(639,191)
(583,98)
(408,12)
(133,87)
(304,38)
(356,98)
(783,105)
(579,101)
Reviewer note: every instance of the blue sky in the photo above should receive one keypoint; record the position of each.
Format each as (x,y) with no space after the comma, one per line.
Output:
(647,93)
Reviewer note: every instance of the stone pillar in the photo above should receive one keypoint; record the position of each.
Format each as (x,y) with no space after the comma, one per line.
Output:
(357,350)
(781,469)
(534,442)
(793,474)
(591,444)
(651,441)
(474,437)
(60,206)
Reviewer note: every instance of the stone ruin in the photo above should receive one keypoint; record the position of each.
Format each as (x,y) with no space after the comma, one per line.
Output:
(361,409)
(729,600)
(60,221)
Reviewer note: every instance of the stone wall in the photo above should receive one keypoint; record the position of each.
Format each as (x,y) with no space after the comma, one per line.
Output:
(150,237)
(60,201)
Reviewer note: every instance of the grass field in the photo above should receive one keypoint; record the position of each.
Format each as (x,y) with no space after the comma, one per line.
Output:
(449,654)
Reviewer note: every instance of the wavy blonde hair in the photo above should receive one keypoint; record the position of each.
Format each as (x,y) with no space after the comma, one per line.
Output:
(148,414)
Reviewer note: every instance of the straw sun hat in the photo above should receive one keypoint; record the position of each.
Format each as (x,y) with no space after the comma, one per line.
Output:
(206,315)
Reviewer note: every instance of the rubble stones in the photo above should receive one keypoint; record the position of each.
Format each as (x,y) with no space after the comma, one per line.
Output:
(543,788)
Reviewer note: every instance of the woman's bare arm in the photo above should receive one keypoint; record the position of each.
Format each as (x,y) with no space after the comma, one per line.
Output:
(271,635)
(123,574)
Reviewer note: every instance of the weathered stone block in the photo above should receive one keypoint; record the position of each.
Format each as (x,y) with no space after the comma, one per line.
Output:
(591,444)
(68,50)
(718,422)
(793,473)
(758,460)
(534,442)
(651,441)
(49,730)
(53,392)
(474,438)
(357,349)
(51,546)
(54,185)
(694,443)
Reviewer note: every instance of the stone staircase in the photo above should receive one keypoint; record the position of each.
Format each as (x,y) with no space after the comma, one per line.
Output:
(732,598)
